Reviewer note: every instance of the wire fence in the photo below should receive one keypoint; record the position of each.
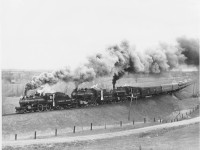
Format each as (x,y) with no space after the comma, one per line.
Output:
(115,125)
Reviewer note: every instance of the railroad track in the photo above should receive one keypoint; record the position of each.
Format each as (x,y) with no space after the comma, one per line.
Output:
(85,107)
(10,114)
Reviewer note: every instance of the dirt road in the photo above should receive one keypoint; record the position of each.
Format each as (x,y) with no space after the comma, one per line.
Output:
(100,136)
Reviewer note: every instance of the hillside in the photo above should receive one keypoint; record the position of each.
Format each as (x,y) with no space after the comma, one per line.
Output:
(159,107)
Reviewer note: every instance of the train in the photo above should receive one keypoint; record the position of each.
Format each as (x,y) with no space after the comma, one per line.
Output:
(92,97)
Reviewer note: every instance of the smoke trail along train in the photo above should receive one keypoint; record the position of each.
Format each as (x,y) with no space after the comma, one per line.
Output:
(121,59)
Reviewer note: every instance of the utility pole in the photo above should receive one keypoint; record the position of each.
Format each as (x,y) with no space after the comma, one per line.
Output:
(136,99)
(193,89)
(130,105)
(81,119)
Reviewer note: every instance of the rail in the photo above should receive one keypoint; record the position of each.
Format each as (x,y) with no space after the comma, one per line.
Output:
(10,114)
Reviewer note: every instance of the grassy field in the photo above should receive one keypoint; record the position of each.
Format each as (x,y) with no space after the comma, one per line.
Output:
(13,81)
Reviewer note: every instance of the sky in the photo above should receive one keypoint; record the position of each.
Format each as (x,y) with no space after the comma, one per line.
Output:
(51,34)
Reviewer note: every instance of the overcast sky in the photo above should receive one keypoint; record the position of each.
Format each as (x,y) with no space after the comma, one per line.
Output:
(51,34)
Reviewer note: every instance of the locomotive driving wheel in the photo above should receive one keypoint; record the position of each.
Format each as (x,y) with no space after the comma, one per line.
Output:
(28,109)
(40,107)
(67,107)
(58,107)
(24,111)
(48,107)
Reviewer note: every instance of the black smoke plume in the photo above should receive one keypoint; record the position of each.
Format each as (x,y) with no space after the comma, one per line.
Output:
(121,59)
(116,77)
(190,49)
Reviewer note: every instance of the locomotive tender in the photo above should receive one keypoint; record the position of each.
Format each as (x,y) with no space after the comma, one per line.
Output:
(92,97)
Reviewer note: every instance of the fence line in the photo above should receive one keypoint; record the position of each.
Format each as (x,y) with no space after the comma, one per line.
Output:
(127,124)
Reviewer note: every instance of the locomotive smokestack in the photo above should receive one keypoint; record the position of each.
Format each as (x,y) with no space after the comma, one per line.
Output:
(117,77)
(113,86)
(114,81)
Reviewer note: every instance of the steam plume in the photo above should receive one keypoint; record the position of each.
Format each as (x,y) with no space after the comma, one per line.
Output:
(121,59)
(83,74)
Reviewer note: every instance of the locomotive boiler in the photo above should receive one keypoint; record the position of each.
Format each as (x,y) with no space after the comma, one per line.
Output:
(44,102)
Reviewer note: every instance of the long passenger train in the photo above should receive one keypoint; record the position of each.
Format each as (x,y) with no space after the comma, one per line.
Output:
(92,97)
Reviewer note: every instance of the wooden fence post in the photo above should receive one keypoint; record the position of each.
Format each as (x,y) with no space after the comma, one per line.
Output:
(35,135)
(144,120)
(105,125)
(133,122)
(91,127)
(120,123)
(74,130)
(154,119)
(15,137)
(55,132)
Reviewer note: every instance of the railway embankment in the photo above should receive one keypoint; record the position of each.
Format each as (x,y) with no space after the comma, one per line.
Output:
(159,107)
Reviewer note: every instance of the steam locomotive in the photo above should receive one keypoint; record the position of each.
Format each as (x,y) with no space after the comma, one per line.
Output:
(92,97)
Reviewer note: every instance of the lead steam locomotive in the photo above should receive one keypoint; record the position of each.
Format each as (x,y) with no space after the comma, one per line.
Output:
(92,97)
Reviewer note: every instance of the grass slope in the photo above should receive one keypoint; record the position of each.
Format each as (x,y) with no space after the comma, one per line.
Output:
(159,107)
